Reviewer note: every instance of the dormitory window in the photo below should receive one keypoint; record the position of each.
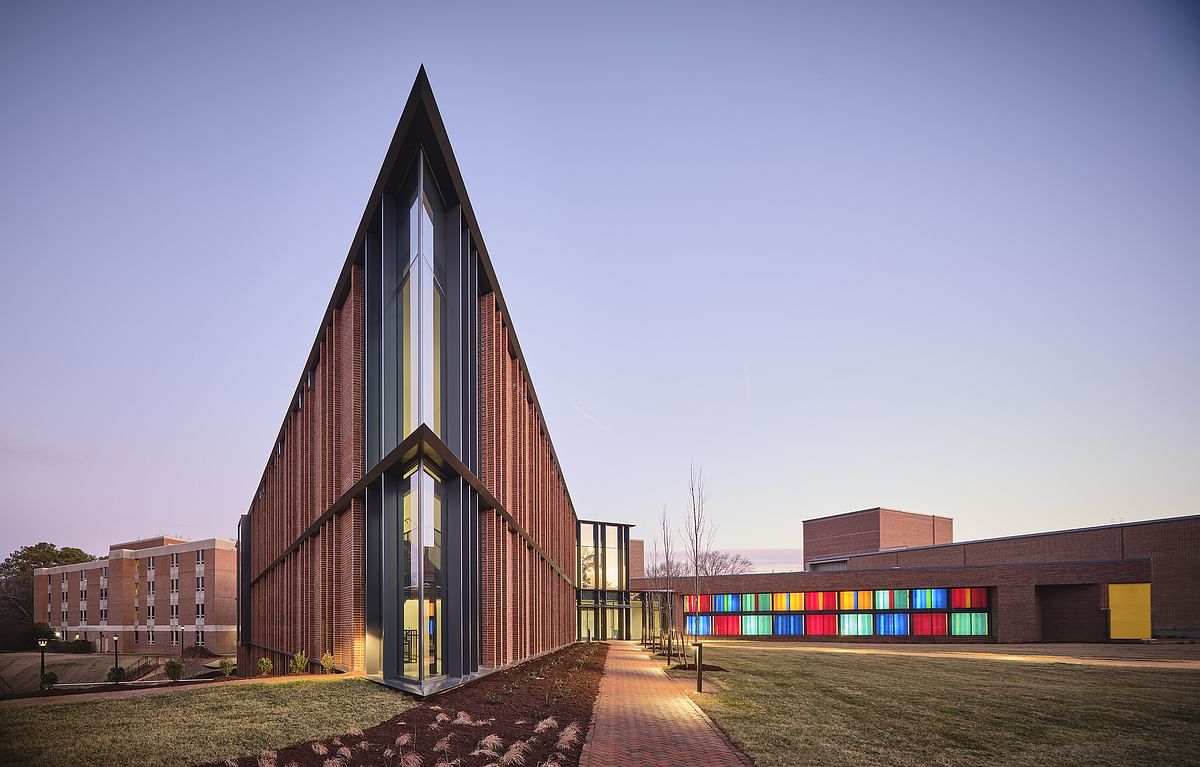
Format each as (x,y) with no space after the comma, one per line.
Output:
(103,614)
(149,637)
(149,612)
(174,611)
(83,616)
(174,560)
(135,637)
(200,557)
(199,583)
(200,610)
(150,567)
(174,637)
(150,587)
(104,592)
(174,585)
(199,637)
(64,615)
(83,595)
(104,572)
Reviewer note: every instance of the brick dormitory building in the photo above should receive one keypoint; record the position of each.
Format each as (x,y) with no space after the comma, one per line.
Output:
(412,518)
(147,596)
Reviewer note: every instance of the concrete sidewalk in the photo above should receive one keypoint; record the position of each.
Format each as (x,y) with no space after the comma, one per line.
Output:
(643,718)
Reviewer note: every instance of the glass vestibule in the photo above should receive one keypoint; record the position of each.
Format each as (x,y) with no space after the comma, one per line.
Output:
(422,595)
(407,360)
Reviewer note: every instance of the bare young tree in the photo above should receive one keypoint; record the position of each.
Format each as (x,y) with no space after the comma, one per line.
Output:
(697,532)
(667,572)
(726,563)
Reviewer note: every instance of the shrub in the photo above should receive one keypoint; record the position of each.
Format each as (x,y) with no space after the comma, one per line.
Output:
(227,666)
(49,679)
(327,663)
(116,674)
(174,670)
(299,663)
(80,645)
(265,666)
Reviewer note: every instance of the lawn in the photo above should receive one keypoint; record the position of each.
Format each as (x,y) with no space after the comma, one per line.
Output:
(192,726)
(795,707)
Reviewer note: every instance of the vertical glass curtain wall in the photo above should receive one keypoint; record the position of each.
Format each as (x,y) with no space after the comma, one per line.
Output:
(420,334)
(884,612)
(602,575)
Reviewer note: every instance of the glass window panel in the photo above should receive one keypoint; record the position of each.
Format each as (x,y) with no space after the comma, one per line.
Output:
(411,651)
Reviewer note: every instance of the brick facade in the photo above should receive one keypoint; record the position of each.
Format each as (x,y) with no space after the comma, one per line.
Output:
(306,589)
(1016,612)
(1172,545)
(528,596)
(872,530)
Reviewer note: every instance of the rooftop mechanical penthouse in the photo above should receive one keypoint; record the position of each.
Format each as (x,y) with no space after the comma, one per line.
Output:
(412,518)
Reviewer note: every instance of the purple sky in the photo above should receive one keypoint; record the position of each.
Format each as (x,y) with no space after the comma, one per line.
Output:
(942,257)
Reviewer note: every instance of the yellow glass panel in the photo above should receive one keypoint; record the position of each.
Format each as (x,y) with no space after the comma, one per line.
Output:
(846,600)
(1129,611)
(796,600)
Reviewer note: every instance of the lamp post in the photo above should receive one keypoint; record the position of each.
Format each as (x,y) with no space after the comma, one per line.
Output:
(699,666)
(42,644)
(116,655)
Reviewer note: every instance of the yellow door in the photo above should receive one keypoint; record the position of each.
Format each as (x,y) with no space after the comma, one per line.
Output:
(1129,611)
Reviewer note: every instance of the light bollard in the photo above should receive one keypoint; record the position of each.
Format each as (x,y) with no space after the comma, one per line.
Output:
(699,666)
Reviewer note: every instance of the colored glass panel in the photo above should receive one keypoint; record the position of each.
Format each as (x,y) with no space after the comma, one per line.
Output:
(779,601)
(727,625)
(789,625)
(929,624)
(764,602)
(930,599)
(820,625)
(796,600)
(706,603)
(855,624)
(756,625)
(968,624)
(891,624)
(820,600)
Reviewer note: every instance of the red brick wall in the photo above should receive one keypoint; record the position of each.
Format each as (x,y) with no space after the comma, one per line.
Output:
(843,534)
(637,558)
(528,598)
(313,599)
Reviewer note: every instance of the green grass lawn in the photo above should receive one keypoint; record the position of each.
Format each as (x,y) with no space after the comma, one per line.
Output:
(792,707)
(181,728)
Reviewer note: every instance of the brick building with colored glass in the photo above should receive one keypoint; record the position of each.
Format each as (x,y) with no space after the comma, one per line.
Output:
(147,596)
(885,575)
(412,519)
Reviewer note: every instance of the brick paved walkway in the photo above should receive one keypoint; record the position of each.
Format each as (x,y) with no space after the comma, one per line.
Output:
(643,718)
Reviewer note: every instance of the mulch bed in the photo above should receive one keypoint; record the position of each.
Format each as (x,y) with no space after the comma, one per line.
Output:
(537,713)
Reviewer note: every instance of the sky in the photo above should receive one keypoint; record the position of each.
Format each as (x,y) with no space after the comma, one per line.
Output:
(936,256)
